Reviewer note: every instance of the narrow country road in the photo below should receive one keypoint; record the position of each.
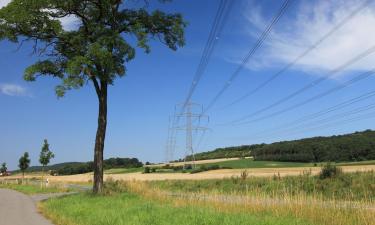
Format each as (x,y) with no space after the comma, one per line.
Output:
(19,209)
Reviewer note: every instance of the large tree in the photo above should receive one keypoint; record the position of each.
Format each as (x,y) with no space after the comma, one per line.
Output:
(95,52)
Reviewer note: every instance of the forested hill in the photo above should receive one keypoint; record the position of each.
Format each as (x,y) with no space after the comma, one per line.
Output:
(349,147)
(69,168)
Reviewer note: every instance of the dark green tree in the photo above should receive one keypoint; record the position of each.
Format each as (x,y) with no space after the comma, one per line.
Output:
(24,163)
(45,155)
(3,168)
(95,52)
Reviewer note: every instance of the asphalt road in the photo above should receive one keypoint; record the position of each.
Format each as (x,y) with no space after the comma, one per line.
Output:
(19,209)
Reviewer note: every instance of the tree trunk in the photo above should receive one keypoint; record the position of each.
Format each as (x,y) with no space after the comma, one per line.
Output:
(99,141)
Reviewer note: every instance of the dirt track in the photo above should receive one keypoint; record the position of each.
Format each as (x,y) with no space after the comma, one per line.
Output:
(214,174)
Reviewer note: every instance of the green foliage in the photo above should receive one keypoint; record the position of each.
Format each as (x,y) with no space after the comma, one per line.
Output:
(250,163)
(358,146)
(3,168)
(45,155)
(206,168)
(329,171)
(147,170)
(97,49)
(24,162)
(228,152)
(70,168)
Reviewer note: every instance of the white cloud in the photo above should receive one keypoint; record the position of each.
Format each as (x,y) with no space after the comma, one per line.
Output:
(313,19)
(13,90)
(69,23)
(4,3)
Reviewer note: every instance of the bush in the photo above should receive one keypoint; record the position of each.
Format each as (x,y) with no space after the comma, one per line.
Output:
(147,170)
(206,168)
(329,171)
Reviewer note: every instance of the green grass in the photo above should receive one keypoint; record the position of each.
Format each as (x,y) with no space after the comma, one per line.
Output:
(33,189)
(123,170)
(368,162)
(250,163)
(347,186)
(131,209)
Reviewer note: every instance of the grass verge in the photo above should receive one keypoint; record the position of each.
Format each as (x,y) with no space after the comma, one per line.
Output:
(132,209)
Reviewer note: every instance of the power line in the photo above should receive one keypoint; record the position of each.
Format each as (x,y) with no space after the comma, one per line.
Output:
(222,13)
(303,54)
(216,30)
(342,122)
(308,86)
(321,95)
(320,113)
(334,117)
(247,57)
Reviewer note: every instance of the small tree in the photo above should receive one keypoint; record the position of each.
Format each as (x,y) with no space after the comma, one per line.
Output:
(24,163)
(3,169)
(45,156)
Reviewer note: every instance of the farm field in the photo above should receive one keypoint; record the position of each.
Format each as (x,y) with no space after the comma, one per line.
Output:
(214,174)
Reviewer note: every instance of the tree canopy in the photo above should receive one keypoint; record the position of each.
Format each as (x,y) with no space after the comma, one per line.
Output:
(24,162)
(349,147)
(97,49)
(45,154)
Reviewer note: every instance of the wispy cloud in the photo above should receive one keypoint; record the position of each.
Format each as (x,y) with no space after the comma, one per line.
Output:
(13,90)
(296,32)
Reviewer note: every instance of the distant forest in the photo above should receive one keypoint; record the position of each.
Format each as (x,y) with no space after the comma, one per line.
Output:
(70,168)
(357,146)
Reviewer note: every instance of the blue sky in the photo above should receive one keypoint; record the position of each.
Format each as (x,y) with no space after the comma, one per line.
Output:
(140,103)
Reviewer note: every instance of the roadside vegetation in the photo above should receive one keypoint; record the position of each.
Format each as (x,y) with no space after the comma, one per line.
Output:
(336,199)
(130,208)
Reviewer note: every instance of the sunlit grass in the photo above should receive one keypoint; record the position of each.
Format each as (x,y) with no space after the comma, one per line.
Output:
(129,209)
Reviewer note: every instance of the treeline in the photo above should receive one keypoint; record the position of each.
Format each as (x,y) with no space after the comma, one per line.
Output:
(357,146)
(228,152)
(70,168)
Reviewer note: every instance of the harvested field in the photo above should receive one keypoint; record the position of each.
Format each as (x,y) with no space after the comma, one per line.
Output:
(214,174)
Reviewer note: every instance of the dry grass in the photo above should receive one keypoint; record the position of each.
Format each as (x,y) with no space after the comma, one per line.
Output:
(311,208)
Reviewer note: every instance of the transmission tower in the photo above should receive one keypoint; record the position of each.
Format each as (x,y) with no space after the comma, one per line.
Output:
(192,115)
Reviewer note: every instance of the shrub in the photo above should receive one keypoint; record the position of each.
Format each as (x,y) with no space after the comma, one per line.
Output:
(329,171)
(113,187)
(147,170)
